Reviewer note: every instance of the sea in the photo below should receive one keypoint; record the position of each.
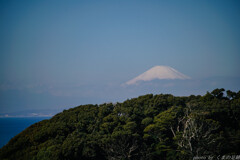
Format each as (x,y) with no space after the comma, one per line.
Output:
(10,127)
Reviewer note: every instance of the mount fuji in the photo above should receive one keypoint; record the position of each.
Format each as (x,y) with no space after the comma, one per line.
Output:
(158,72)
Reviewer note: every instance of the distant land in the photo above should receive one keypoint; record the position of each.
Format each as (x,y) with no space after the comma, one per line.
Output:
(158,72)
(28,113)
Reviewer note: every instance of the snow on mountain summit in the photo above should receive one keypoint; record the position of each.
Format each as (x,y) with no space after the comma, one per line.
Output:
(158,72)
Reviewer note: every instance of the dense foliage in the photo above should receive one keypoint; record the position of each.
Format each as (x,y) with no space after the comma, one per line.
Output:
(147,127)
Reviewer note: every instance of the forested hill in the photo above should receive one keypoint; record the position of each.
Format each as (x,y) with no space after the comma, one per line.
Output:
(148,127)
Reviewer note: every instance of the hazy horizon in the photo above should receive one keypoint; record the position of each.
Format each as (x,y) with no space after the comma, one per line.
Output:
(59,54)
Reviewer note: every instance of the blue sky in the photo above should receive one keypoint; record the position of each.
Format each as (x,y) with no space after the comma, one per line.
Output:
(59,54)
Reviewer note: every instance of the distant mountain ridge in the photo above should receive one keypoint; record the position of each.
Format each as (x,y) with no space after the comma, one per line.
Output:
(158,72)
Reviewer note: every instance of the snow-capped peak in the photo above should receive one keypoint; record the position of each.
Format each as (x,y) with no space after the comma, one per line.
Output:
(158,72)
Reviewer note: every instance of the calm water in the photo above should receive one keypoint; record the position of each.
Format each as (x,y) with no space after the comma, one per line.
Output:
(10,127)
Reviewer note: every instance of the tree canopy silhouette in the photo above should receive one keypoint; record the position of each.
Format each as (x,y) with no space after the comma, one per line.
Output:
(148,127)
